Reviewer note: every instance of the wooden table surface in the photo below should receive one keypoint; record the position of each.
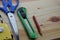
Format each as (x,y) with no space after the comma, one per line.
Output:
(44,10)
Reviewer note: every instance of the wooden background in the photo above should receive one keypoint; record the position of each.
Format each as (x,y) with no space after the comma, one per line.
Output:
(44,10)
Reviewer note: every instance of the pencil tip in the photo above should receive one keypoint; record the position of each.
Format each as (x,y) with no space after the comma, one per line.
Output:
(41,34)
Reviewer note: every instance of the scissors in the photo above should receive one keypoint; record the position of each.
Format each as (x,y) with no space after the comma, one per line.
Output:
(9,9)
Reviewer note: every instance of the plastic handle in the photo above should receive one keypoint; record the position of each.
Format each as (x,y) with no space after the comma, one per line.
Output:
(30,30)
(9,6)
(13,25)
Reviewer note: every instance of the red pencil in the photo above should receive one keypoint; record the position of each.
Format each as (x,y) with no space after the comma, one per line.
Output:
(37,25)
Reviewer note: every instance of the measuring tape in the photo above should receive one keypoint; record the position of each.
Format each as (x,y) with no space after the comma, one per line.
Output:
(4,31)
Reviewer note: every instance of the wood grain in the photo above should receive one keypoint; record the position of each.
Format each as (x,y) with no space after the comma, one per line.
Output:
(43,10)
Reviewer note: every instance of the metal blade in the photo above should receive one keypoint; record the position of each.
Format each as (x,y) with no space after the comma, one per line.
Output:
(13,25)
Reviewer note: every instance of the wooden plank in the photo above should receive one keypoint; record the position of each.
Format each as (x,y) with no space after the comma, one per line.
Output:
(43,10)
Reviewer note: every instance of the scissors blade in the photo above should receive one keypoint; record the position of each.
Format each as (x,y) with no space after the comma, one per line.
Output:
(13,25)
